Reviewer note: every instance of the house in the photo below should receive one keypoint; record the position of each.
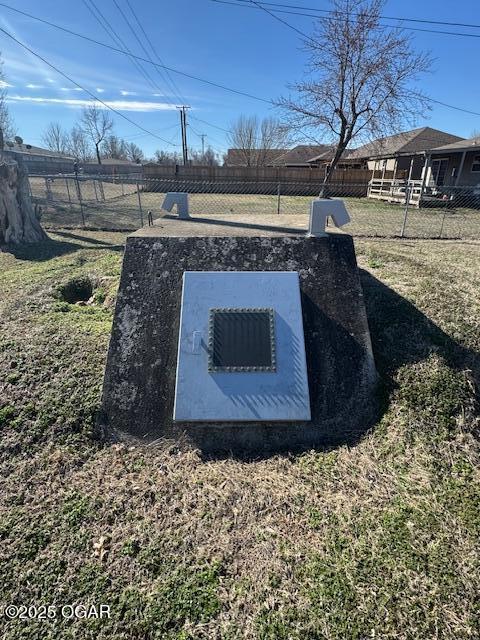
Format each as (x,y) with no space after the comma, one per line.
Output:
(300,155)
(347,159)
(39,160)
(454,164)
(252,157)
(303,155)
(402,156)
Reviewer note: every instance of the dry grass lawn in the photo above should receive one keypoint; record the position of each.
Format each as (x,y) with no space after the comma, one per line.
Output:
(119,210)
(378,541)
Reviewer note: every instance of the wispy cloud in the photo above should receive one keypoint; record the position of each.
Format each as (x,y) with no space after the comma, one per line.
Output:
(4,84)
(98,90)
(70,89)
(121,105)
(30,85)
(128,93)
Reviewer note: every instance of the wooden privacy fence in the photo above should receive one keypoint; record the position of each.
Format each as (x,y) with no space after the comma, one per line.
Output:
(254,180)
(254,174)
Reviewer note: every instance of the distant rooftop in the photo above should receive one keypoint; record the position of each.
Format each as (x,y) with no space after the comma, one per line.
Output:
(32,150)
(301,154)
(461,145)
(406,143)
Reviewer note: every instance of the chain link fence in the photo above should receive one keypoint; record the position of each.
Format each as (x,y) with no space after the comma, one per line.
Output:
(125,204)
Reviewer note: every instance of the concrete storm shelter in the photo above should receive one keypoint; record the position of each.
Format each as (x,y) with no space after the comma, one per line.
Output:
(240,334)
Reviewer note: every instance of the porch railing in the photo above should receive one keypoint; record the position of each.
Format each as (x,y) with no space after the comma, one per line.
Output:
(395,190)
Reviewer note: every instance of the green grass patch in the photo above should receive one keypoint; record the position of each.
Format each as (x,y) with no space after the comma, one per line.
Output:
(373,540)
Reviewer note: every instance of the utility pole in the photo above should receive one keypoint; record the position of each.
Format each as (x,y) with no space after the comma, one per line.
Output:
(183,125)
(203,136)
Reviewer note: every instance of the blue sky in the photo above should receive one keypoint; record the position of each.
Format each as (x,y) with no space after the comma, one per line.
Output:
(242,48)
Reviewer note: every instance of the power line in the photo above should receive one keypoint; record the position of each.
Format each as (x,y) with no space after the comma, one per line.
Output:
(142,135)
(418,20)
(202,137)
(275,17)
(210,124)
(154,83)
(117,50)
(116,39)
(105,104)
(177,71)
(259,5)
(241,4)
(173,85)
(451,106)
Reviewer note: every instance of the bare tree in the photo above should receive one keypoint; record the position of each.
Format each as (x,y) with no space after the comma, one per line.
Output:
(209,157)
(79,145)
(243,136)
(359,78)
(272,135)
(114,147)
(56,139)
(133,152)
(167,157)
(96,122)
(255,139)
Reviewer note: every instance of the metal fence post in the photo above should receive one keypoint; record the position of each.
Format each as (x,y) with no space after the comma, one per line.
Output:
(140,204)
(68,193)
(79,193)
(48,191)
(405,215)
(278,197)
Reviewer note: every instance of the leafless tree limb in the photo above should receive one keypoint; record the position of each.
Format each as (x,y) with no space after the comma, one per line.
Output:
(359,79)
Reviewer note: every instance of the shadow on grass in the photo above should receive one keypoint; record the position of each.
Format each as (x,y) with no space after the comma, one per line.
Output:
(401,334)
(42,251)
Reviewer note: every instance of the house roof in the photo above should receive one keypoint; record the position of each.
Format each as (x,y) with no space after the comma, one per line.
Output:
(32,150)
(405,143)
(301,154)
(236,157)
(328,154)
(461,145)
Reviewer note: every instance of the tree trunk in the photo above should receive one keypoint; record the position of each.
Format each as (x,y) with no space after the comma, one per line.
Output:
(99,159)
(329,172)
(18,222)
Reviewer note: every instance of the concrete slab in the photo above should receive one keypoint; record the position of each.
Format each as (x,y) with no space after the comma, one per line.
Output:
(229,225)
(139,385)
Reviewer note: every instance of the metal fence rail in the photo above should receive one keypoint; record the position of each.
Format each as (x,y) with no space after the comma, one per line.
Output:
(68,201)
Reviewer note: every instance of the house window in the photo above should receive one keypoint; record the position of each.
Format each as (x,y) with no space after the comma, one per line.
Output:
(476,164)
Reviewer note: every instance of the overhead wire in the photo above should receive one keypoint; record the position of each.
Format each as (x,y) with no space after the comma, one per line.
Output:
(116,39)
(118,50)
(77,84)
(402,18)
(155,85)
(171,69)
(246,4)
(171,81)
